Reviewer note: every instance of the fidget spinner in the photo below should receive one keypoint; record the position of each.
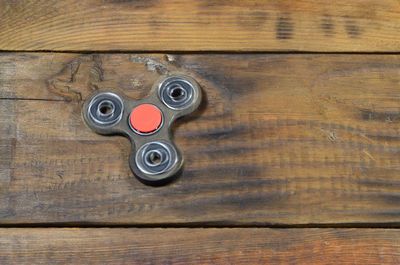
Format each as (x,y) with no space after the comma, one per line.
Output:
(154,159)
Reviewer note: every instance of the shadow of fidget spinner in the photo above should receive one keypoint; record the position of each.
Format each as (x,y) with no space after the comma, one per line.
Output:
(154,158)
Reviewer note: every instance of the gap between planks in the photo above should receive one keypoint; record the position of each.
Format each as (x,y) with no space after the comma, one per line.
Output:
(206,225)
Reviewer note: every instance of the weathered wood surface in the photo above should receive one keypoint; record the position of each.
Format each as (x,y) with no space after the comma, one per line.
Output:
(200,25)
(199,246)
(281,139)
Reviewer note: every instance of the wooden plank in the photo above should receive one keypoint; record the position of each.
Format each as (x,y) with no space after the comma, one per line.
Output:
(200,25)
(281,139)
(199,246)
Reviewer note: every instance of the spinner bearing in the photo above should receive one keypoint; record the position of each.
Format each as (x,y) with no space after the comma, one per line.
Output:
(154,159)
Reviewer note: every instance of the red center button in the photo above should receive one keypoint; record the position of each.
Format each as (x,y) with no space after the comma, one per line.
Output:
(145,118)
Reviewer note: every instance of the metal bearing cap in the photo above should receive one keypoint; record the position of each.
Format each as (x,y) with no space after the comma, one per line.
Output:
(105,109)
(177,93)
(154,158)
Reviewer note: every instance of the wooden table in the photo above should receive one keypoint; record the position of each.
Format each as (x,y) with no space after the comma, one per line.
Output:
(292,158)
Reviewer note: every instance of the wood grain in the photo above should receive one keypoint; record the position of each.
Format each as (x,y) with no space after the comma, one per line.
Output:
(279,139)
(200,25)
(199,246)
